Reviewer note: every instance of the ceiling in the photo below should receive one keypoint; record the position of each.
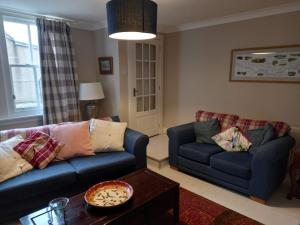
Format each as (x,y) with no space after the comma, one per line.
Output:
(172,14)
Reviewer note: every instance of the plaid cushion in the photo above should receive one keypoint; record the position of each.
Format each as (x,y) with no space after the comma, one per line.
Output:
(24,132)
(281,128)
(226,120)
(39,149)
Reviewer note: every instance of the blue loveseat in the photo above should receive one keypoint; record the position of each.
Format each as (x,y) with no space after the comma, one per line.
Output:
(34,189)
(255,175)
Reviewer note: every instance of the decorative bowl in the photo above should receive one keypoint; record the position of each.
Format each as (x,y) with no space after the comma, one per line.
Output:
(109,194)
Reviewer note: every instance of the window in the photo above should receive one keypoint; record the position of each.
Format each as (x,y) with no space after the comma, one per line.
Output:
(21,67)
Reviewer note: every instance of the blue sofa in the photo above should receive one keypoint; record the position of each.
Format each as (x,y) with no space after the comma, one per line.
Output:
(255,175)
(34,189)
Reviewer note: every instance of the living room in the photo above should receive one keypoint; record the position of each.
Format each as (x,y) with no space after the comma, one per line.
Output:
(203,72)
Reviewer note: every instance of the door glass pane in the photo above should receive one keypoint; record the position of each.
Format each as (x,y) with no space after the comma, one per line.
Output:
(146,103)
(139,51)
(152,86)
(153,52)
(146,69)
(139,87)
(139,71)
(152,103)
(24,87)
(152,69)
(139,104)
(145,52)
(17,43)
(146,87)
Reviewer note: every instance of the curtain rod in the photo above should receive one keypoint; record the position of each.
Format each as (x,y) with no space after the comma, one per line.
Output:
(15,12)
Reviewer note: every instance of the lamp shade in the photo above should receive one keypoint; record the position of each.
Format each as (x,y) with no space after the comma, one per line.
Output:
(132,19)
(90,91)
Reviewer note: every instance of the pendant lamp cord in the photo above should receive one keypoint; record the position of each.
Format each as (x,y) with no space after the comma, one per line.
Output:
(143,15)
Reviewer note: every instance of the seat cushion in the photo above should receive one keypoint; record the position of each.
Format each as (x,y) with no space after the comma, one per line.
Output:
(199,152)
(38,182)
(234,163)
(103,166)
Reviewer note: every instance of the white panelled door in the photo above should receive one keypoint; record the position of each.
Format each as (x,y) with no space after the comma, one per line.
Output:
(145,86)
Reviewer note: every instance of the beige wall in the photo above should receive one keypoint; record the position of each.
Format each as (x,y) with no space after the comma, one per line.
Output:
(89,45)
(104,47)
(84,45)
(197,64)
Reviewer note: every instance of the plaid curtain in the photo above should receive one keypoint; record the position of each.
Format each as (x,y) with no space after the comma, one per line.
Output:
(59,78)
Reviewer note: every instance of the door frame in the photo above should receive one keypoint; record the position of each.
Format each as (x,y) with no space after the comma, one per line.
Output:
(159,41)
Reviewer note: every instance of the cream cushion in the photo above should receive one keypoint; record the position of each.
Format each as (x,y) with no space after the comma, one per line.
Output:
(107,136)
(11,162)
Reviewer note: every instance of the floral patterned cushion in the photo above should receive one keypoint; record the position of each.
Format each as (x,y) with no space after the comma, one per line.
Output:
(232,140)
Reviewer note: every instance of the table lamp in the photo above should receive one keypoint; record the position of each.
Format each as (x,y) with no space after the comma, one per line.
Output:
(91,92)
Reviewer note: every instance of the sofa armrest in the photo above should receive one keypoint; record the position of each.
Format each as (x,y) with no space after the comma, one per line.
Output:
(269,166)
(136,144)
(179,135)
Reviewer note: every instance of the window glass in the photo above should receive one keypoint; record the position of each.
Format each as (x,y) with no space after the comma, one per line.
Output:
(24,63)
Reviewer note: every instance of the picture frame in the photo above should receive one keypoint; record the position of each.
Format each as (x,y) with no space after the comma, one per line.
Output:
(106,65)
(276,64)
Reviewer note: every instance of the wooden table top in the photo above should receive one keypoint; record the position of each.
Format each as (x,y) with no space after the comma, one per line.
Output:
(147,185)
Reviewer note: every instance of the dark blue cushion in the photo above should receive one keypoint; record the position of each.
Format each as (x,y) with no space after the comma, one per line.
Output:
(103,166)
(38,182)
(199,152)
(234,163)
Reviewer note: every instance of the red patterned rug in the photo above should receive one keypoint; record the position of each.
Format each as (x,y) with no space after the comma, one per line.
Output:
(196,210)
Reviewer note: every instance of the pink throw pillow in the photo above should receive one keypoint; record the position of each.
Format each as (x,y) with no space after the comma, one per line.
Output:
(75,137)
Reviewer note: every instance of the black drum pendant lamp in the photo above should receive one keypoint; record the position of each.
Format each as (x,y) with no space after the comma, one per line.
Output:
(131,19)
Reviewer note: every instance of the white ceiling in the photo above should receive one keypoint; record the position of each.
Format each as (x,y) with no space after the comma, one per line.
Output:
(172,14)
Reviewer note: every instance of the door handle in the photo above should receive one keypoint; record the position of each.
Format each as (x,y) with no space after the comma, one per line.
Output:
(134,92)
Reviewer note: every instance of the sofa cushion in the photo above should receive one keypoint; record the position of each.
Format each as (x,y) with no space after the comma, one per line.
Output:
(75,137)
(234,163)
(37,182)
(39,149)
(103,166)
(199,152)
(226,120)
(205,130)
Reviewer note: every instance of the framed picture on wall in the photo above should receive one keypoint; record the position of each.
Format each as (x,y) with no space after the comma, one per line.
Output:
(106,65)
(268,64)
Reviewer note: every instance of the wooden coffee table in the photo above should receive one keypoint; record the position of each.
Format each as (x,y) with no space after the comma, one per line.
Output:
(153,196)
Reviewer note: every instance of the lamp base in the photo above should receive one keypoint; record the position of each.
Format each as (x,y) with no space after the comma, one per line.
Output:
(91,110)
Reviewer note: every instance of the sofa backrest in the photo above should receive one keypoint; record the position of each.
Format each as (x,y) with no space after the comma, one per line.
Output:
(229,120)
(226,120)
(281,128)
(24,132)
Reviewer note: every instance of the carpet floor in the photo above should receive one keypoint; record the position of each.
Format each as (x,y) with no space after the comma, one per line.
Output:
(196,210)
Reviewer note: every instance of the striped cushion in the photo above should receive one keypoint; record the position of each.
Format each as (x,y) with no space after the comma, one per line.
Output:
(24,132)
(39,149)
(226,120)
(281,128)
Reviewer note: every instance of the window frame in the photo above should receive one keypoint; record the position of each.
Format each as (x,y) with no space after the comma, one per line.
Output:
(6,87)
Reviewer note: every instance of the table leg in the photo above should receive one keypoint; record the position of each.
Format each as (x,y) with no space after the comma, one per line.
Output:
(176,207)
(293,182)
